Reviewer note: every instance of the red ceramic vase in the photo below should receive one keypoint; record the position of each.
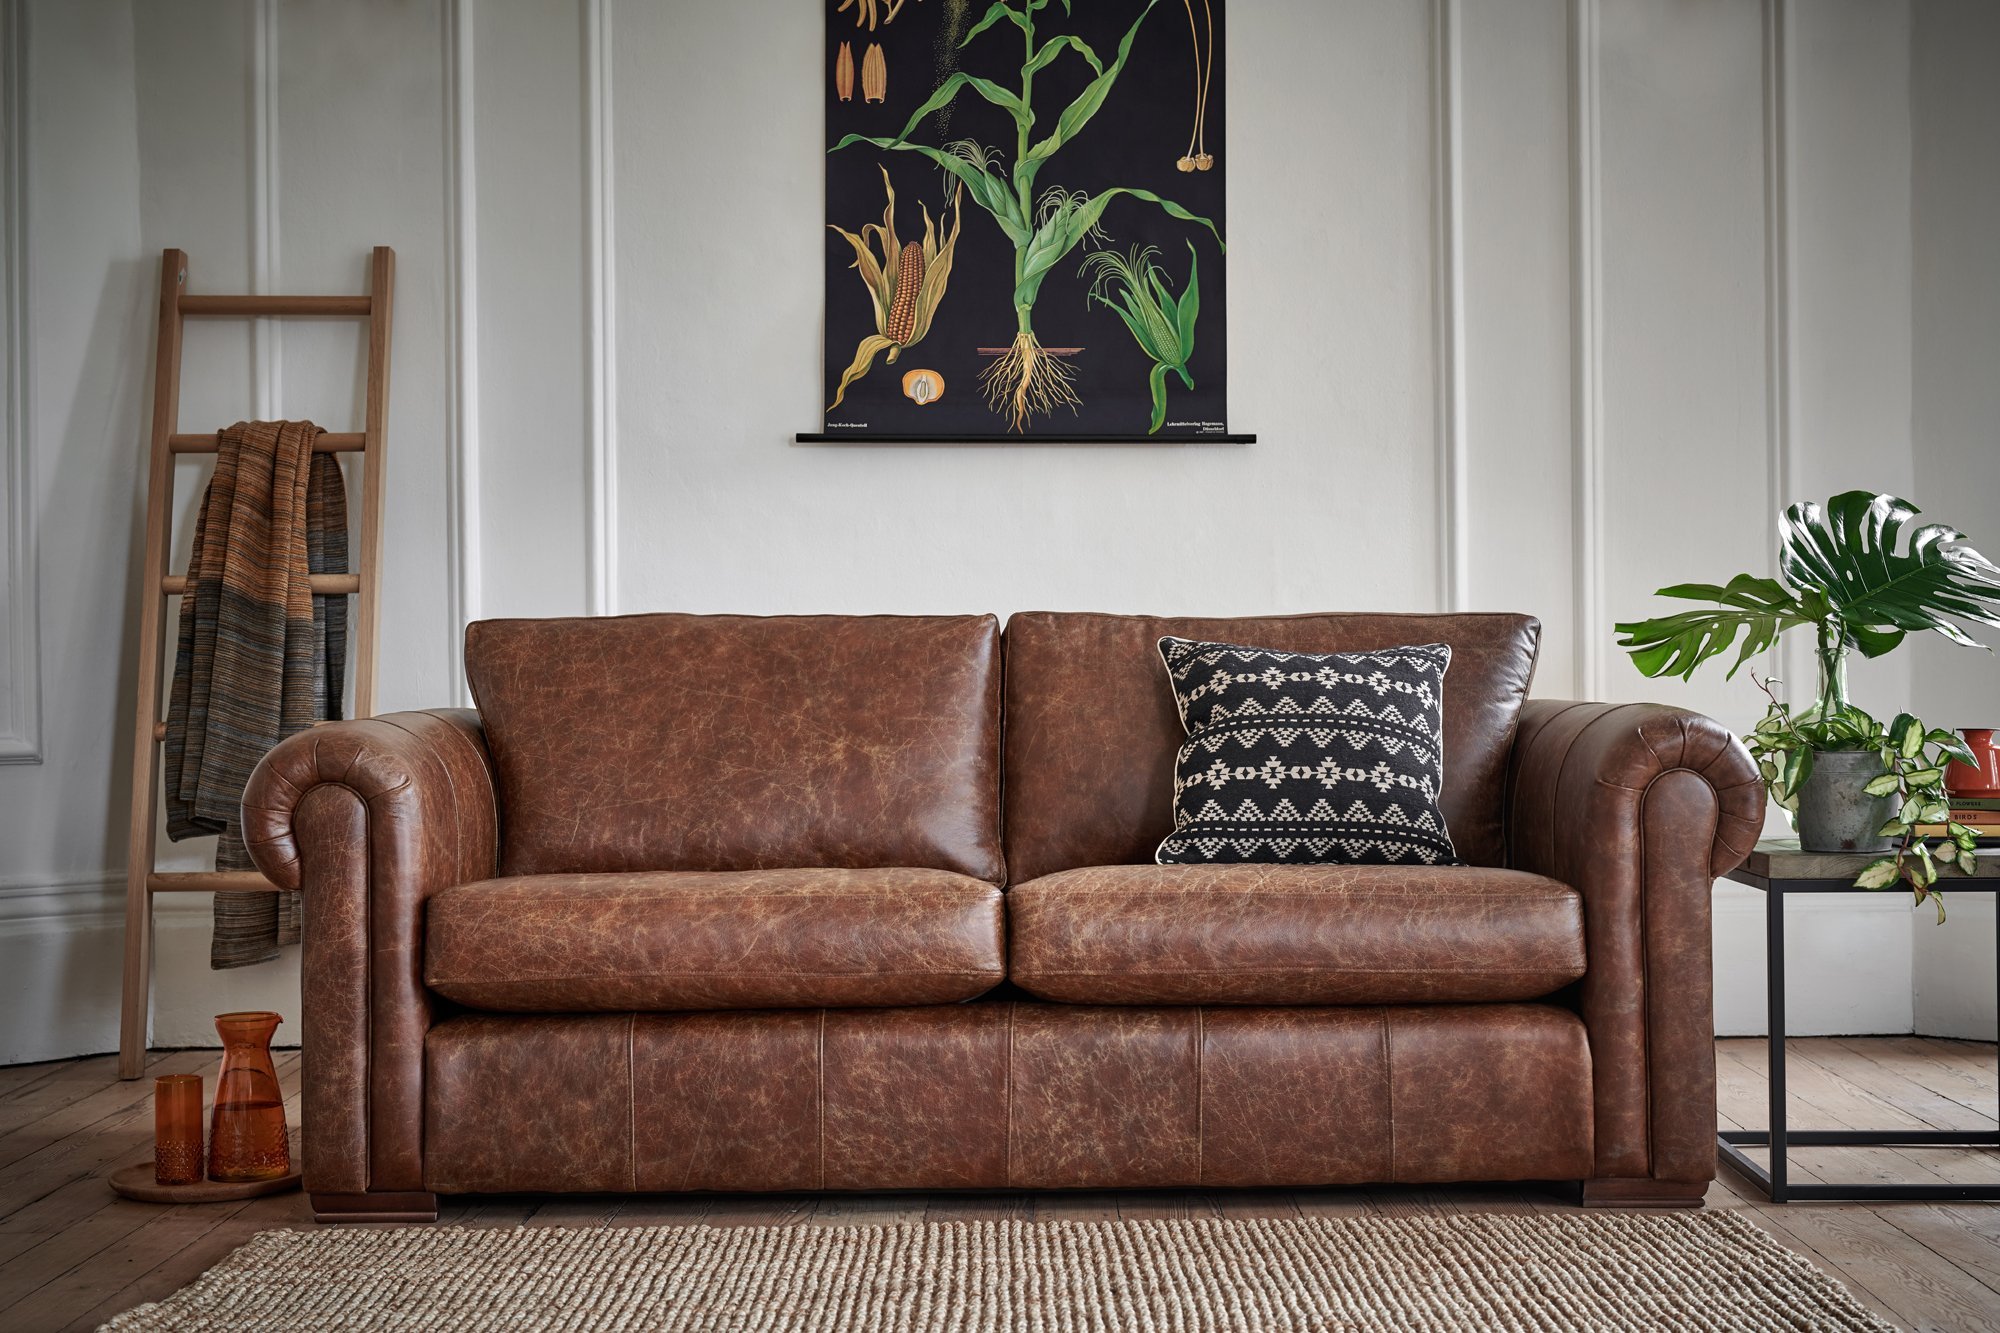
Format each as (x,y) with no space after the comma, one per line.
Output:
(1983,777)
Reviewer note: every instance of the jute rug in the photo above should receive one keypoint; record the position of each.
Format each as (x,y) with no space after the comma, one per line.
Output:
(1687,1271)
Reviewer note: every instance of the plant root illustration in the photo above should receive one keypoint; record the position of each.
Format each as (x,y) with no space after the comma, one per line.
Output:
(906,283)
(923,387)
(1043,226)
(874,74)
(1028,381)
(1135,288)
(1197,156)
(843,73)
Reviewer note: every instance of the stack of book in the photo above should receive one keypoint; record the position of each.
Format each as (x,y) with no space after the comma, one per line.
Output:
(1981,814)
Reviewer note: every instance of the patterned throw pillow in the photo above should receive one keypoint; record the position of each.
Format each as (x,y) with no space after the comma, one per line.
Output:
(1310,758)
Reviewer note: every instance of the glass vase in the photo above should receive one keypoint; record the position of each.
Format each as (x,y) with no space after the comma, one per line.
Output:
(1831,652)
(246,1137)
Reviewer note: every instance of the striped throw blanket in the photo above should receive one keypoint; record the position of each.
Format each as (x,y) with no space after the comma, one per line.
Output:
(258,656)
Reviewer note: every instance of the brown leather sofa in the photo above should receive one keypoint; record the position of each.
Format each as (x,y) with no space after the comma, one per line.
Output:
(716,903)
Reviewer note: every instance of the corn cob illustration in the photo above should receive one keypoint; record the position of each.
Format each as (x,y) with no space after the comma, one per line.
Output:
(874,74)
(905,282)
(909,281)
(843,73)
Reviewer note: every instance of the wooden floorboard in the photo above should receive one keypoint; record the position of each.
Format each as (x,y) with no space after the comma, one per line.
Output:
(72,1254)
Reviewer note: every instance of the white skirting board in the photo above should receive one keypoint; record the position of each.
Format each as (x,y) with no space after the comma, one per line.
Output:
(60,948)
(1859,965)
(1954,962)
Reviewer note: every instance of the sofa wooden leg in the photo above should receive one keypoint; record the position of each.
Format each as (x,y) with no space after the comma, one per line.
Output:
(410,1207)
(1614,1192)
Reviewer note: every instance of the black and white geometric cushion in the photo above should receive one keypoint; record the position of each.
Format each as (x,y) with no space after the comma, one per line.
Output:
(1310,758)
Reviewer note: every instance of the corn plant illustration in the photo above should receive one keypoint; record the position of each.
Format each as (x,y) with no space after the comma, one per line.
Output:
(906,283)
(1135,289)
(1027,381)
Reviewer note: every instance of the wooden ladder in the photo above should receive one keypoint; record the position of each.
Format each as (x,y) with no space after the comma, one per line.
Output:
(149,730)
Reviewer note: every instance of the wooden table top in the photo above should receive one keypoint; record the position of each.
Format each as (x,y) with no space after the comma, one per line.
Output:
(1781,859)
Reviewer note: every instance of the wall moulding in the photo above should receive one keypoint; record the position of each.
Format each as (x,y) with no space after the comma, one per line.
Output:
(462,531)
(1448,309)
(94,899)
(1587,345)
(600,238)
(20,581)
(1792,658)
(266,335)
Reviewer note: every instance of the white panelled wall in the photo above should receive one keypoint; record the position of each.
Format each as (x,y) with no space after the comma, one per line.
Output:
(1534,304)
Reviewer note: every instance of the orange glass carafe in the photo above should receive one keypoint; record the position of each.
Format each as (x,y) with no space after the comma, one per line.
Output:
(246,1135)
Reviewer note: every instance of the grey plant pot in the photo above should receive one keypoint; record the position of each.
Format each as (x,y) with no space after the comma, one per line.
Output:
(1835,814)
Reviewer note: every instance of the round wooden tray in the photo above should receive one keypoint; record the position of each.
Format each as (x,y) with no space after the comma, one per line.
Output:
(136,1182)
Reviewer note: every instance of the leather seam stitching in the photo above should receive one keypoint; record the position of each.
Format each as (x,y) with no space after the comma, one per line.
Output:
(1645,1006)
(1561,769)
(1290,971)
(822,1099)
(632,1101)
(1335,896)
(451,789)
(1511,791)
(367,988)
(1646,953)
(367,973)
(996,703)
(1200,1099)
(1009,1096)
(575,897)
(482,758)
(1555,843)
(978,974)
(1389,1086)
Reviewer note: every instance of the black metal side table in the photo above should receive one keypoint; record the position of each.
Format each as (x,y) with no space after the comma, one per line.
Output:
(1779,868)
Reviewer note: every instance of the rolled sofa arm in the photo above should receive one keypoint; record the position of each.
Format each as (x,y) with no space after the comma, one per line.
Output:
(1639,807)
(367,819)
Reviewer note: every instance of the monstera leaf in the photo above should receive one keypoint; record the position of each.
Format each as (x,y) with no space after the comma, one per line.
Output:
(1758,609)
(1847,562)
(1882,586)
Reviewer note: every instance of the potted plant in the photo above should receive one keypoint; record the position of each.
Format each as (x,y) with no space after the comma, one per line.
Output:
(1849,570)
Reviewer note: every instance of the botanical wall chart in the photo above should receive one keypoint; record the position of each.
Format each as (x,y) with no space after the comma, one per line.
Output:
(1024,206)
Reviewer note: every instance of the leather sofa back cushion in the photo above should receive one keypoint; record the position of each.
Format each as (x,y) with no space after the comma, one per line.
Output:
(684,742)
(1092,731)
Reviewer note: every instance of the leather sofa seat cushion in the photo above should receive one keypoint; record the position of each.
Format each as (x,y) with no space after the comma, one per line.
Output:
(671,940)
(1293,935)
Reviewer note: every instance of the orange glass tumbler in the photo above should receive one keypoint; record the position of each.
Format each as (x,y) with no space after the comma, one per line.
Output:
(177,1129)
(246,1136)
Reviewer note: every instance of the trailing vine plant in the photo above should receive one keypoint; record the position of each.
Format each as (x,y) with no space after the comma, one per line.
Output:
(1914,759)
